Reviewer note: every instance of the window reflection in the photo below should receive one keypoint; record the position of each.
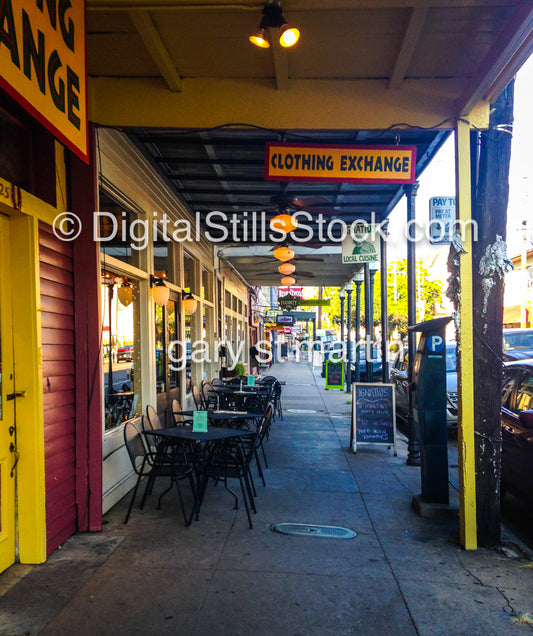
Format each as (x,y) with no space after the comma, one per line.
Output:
(120,349)
(168,355)
(118,233)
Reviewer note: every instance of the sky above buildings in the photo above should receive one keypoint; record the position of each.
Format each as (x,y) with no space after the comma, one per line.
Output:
(438,180)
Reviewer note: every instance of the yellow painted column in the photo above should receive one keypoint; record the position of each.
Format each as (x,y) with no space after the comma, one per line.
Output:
(467,463)
(28,378)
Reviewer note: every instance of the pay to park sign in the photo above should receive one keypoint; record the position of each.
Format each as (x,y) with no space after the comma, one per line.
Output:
(43,65)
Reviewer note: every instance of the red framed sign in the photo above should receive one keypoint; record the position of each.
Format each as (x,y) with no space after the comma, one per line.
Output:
(362,164)
(43,65)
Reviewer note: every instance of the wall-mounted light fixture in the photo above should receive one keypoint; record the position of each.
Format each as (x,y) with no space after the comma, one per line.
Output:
(284,223)
(189,302)
(160,291)
(286,269)
(125,293)
(288,281)
(272,19)
(283,253)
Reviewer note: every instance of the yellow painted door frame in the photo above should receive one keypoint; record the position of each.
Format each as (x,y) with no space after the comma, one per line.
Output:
(465,387)
(21,260)
(7,406)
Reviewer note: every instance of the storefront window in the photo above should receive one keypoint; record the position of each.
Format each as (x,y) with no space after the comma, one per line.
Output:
(189,281)
(207,285)
(162,261)
(189,327)
(168,352)
(119,234)
(120,349)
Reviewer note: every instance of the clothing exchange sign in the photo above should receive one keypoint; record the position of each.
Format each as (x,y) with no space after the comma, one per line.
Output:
(43,65)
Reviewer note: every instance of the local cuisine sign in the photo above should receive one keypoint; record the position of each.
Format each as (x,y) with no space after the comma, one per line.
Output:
(42,64)
(366,164)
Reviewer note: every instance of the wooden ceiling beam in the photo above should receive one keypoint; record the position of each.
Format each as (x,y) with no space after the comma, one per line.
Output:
(155,47)
(411,36)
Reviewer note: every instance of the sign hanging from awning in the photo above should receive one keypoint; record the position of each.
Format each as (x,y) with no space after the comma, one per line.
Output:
(363,164)
(43,65)
(362,245)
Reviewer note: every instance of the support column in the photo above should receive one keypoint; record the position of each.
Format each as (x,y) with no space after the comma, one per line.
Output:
(464,320)
(348,370)
(370,322)
(413,448)
(358,279)
(384,311)
(341,298)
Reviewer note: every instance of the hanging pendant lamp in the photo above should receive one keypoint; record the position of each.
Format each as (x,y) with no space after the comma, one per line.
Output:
(284,253)
(288,281)
(284,223)
(286,269)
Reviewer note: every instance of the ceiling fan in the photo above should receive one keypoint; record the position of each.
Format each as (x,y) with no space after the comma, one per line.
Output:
(287,203)
(294,275)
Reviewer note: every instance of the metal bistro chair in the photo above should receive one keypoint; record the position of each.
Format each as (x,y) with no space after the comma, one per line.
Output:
(150,464)
(232,461)
(209,396)
(198,399)
(153,420)
(175,417)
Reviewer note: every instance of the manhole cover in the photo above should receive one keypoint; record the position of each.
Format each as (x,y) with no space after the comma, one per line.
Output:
(299,411)
(307,530)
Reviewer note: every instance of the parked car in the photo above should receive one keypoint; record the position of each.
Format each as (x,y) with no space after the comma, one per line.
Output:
(399,378)
(517,429)
(125,353)
(517,344)
(337,350)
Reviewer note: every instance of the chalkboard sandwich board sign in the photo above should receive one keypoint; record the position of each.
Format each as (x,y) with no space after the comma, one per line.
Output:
(373,414)
(334,375)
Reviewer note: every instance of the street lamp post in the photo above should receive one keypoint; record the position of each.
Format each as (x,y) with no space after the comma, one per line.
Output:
(349,290)
(341,298)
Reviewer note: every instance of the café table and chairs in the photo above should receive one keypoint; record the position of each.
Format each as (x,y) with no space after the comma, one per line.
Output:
(203,448)
(233,461)
(151,464)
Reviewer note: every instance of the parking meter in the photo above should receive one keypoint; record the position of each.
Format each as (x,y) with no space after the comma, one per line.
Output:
(429,408)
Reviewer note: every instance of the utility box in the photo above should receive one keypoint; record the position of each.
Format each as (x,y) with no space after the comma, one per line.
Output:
(429,408)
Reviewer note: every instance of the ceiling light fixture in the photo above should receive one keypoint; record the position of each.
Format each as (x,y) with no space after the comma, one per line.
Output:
(284,223)
(283,254)
(288,281)
(286,269)
(272,19)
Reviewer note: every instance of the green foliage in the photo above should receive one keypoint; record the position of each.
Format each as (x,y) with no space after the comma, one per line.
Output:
(429,293)
(239,369)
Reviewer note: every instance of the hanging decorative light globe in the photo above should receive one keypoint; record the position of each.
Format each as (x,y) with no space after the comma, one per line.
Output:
(189,303)
(288,281)
(125,293)
(284,223)
(283,253)
(286,269)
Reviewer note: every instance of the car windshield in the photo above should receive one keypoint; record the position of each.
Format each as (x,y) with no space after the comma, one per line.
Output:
(520,340)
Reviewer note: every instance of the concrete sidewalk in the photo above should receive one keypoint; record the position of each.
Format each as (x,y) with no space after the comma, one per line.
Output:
(401,574)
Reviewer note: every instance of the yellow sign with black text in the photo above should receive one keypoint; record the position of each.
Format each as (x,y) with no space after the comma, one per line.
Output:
(364,164)
(43,65)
